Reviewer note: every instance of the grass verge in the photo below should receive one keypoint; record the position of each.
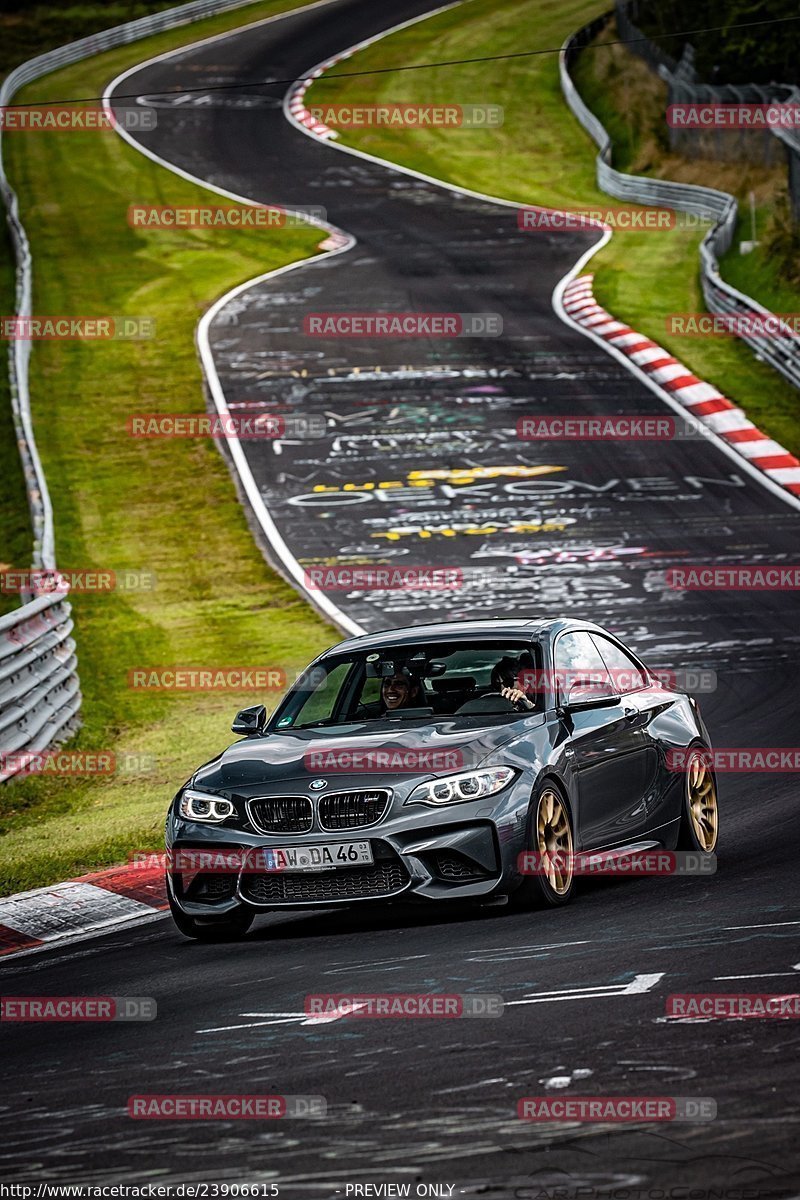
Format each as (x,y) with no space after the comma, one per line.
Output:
(167,507)
(541,156)
(25,33)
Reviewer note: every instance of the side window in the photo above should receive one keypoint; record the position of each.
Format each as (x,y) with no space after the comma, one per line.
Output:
(625,674)
(577,658)
(318,705)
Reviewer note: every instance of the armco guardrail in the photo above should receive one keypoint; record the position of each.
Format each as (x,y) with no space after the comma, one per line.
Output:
(39,690)
(39,693)
(782,351)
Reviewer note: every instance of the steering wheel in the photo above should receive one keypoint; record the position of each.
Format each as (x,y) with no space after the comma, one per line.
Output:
(518,705)
(481,704)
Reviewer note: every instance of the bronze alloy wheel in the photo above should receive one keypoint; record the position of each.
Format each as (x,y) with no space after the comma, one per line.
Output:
(554,840)
(702,801)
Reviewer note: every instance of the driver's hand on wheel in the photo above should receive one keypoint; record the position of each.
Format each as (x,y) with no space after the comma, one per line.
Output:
(516,696)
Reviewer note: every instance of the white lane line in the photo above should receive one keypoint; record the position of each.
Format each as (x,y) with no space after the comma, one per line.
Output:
(253,1025)
(544,946)
(763,974)
(766,925)
(289,1018)
(347,241)
(378,962)
(638,986)
(342,1010)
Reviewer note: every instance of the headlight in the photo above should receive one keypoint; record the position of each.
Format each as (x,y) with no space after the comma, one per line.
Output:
(470,785)
(200,806)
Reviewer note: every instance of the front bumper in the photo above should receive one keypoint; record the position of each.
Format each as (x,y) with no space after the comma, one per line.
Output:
(420,853)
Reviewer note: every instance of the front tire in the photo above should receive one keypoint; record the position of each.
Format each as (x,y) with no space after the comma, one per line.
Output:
(699,828)
(549,837)
(229,928)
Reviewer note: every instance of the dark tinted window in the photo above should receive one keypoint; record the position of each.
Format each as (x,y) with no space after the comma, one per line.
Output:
(436,679)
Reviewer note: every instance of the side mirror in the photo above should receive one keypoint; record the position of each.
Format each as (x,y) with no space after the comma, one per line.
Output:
(250,722)
(589,693)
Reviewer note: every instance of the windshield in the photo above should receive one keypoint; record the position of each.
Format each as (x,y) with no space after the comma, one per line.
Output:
(408,683)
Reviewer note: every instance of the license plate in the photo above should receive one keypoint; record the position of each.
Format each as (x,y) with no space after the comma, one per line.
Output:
(318,858)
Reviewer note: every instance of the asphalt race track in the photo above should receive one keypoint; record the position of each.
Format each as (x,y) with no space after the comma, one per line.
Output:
(590,533)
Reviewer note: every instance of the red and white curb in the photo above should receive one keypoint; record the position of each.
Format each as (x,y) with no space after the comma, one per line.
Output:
(574,300)
(295,99)
(91,904)
(702,402)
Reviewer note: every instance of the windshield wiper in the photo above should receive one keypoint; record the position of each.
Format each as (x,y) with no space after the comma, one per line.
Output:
(401,716)
(359,720)
(314,724)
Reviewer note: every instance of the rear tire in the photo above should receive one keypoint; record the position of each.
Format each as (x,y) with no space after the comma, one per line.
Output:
(229,928)
(549,834)
(699,829)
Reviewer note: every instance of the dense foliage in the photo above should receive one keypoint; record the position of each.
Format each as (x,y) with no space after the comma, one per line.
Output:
(757,54)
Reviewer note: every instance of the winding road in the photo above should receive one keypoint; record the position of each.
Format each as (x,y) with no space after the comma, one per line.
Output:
(582,528)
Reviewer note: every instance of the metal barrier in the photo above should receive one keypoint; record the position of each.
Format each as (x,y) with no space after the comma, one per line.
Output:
(782,351)
(39,691)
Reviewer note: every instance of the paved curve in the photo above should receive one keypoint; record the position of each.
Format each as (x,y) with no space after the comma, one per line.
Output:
(413,1101)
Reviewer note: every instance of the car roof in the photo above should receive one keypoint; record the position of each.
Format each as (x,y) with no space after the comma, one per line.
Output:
(447,630)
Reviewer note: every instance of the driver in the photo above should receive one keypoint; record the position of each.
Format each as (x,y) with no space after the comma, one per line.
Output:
(504,680)
(399,691)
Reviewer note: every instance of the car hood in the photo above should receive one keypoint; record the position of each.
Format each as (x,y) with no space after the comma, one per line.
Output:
(306,754)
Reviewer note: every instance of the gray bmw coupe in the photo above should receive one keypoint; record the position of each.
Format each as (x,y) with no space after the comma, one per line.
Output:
(468,760)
